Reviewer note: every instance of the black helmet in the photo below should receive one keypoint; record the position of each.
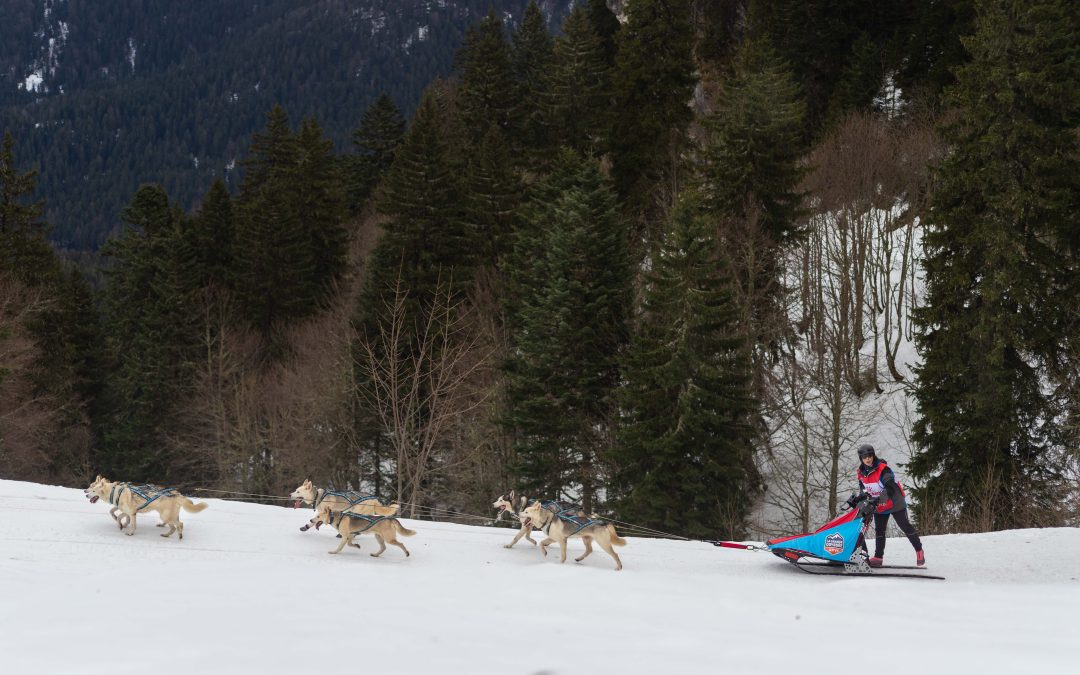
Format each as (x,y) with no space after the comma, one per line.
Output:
(866,450)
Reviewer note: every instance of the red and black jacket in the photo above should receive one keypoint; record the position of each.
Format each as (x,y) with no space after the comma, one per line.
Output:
(878,480)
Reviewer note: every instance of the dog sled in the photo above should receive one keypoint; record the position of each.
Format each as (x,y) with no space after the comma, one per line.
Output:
(836,548)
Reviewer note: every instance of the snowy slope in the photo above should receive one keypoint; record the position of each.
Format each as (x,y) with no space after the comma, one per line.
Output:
(246,592)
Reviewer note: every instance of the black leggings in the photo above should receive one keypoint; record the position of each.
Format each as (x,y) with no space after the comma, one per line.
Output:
(881,520)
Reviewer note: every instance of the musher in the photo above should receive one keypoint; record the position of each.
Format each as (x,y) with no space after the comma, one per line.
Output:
(878,483)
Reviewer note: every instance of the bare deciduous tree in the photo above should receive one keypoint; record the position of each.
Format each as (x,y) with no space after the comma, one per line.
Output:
(423,381)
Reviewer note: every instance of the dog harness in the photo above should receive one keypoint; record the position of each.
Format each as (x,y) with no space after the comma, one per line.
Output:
(566,513)
(351,496)
(370,519)
(148,493)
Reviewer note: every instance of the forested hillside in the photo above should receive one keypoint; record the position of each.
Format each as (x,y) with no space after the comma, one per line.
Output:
(673,262)
(105,95)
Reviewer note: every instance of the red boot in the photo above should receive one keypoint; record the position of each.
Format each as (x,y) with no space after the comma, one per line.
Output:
(875,562)
(920,559)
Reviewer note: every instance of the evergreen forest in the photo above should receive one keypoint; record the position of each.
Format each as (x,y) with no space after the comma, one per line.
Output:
(671,260)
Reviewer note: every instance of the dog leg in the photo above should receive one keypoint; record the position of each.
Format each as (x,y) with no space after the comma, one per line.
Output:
(562,550)
(588,549)
(172,528)
(397,543)
(181,528)
(606,545)
(382,546)
(132,520)
(544,544)
(344,540)
(523,532)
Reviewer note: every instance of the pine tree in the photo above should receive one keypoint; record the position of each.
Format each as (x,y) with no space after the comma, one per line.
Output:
(684,461)
(24,250)
(1001,274)
(321,202)
(376,140)
(654,78)
(532,51)
(290,241)
(492,193)
(425,238)
(606,26)
(213,231)
(572,320)
(150,338)
(487,94)
(749,184)
(578,101)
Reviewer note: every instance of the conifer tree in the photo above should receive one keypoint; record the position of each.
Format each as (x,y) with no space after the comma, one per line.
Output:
(684,461)
(578,100)
(24,250)
(321,202)
(654,78)
(749,185)
(572,317)
(531,54)
(606,26)
(491,198)
(487,93)
(290,237)
(1001,274)
(375,140)
(149,333)
(425,238)
(213,231)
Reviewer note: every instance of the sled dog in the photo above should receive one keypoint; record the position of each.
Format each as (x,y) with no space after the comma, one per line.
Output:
(513,504)
(557,529)
(127,501)
(349,524)
(339,501)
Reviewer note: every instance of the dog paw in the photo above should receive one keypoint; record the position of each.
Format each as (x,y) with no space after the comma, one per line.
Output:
(508,546)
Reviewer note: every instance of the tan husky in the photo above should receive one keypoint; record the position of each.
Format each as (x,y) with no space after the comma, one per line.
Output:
(129,499)
(354,502)
(515,505)
(559,530)
(349,524)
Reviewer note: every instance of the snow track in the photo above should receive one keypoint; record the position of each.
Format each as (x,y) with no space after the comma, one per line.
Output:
(247,592)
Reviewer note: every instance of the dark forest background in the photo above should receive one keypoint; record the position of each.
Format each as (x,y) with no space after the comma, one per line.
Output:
(657,257)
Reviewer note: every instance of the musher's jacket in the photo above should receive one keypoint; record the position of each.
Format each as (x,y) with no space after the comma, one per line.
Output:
(878,480)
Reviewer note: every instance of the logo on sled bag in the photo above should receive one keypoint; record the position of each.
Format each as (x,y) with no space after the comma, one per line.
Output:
(834,543)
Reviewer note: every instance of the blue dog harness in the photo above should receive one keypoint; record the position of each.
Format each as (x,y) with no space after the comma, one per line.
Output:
(370,519)
(565,512)
(148,493)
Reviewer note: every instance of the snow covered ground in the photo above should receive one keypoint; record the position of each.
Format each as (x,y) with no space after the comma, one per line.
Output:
(246,592)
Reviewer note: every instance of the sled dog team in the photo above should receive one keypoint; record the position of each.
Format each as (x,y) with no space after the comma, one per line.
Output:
(352,514)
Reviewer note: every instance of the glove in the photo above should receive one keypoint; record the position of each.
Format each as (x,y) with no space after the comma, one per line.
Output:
(853,500)
(868,508)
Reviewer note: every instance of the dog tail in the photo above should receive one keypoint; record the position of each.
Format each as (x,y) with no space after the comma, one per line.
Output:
(402,530)
(192,507)
(615,538)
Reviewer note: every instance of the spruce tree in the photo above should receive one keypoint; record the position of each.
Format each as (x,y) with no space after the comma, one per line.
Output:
(24,250)
(571,324)
(375,141)
(213,231)
(1001,273)
(578,100)
(531,54)
(748,182)
(150,338)
(654,81)
(487,92)
(684,461)
(425,237)
(606,26)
